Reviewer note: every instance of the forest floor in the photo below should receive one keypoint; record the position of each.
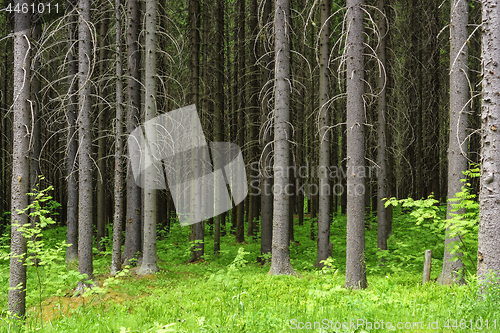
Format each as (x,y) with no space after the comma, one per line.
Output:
(232,292)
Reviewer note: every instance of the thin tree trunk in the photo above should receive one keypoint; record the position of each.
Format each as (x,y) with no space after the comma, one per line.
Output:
(459,108)
(219,109)
(118,217)
(20,164)
(85,206)
(355,259)
(253,118)
(240,227)
(133,220)
(101,141)
(382,142)
(488,253)
(36,140)
(149,258)
(280,263)
(197,229)
(324,245)
(266,197)
(71,169)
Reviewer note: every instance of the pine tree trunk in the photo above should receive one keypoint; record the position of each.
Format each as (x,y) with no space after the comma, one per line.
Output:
(459,108)
(355,259)
(219,109)
(266,197)
(382,142)
(20,162)
(36,143)
(101,141)
(280,264)
(488,254)
(149,258)
(197,229)
(71,168)
(118,190)
(133,214)
(85,204)
(324,218)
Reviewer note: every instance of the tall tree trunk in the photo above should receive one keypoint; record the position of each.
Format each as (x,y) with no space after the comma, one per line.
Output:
(101,141)
(253,118)
(133,220)
(36,139)
(382,141)
(240,227)
(280,263)
(85,206)
(149,258)
(266,197)
(459,108)
(197,229)
(355,259)
(118,217)
(20,162)
(219,109)
(324,245)
(488,253)
(71,169)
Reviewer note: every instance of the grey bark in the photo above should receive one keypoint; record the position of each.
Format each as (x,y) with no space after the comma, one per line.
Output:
(253,116)
(240,113)
(280,263)
(36,140)
(459,108)
(20,162)
(101,141)
(219,108)
(488,254)
(324,245)
(382,229)
(355,256)
(197,229)
(117,222)
(266,197)
(133,213)
(149,258)
(72,144)
(85,206)
(427,266)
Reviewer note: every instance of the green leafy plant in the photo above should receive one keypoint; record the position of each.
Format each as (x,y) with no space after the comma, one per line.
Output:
(239,261)
(465,219)
(40,212)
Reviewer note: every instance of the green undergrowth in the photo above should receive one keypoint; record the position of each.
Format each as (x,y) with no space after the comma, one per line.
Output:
(232,292)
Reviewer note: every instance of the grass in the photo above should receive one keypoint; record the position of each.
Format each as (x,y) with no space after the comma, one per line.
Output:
(233,293)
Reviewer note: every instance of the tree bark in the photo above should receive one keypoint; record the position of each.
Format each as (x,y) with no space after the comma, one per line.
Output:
(324,245)
(72,144)
(219,109)
(266,197)
(149,258)
(355,259)
(382,141)
(116,261)
(20,162)
(488,253)
(458,147)
(133,220)
(280,264)
(85,206)
(101,141)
